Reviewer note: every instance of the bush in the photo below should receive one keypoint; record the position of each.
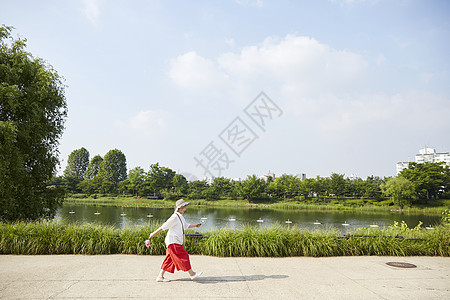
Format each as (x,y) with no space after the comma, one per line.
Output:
(78,196)
(355,202)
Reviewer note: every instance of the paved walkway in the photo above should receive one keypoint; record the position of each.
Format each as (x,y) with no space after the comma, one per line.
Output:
(129,276)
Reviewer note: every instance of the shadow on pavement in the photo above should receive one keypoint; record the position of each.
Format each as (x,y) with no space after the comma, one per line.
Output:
(217,279)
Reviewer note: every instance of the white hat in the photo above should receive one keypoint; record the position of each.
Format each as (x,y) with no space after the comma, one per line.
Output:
(180,203)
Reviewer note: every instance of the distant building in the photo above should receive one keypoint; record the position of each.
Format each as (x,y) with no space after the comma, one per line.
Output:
(266,177)
(353,177)
(426,155)
(301,176)
(401,166)
(209,180)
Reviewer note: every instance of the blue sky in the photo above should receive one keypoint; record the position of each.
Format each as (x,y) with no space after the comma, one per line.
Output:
(359,85)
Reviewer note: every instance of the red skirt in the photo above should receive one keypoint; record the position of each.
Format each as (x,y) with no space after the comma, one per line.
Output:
(176,257)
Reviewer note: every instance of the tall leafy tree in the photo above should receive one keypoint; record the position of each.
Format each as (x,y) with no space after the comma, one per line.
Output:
(307,186)
(33,110)
(93,167)
(251,188)
(180,184)
(399,189)
(321,186)
(372,187)
(77,164)
(197,189)
(113,168)
(430,179)
(221,187)
(159,178)
(337,184)
(136,178)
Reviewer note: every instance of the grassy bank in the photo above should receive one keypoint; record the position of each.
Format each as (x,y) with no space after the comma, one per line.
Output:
(276,241)
(349,205)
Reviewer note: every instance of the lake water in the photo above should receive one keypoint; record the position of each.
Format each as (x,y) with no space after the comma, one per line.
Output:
(237,217)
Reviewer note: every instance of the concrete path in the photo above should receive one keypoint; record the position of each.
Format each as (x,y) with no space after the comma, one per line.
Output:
(129,276)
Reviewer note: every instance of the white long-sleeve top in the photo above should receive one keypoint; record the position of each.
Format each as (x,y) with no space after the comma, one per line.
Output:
(175,233)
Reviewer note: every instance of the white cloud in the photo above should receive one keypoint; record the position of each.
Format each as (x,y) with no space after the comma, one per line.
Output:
(293,63)
(191,71)
(352,1)
(257,3)
(148,123)
(91,10)
(320,87)
(381,59)
(230,42)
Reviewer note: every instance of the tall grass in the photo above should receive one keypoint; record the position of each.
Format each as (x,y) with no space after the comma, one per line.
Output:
(276,241)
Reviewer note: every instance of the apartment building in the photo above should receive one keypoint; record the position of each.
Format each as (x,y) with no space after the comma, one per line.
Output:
(426,155)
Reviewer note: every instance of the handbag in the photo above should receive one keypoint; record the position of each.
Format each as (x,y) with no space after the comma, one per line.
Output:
(182,227)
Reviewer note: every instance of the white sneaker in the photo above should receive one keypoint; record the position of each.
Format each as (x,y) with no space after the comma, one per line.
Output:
(196,275)
(159,279)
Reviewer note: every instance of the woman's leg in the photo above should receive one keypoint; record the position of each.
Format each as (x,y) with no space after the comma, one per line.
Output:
(167,265)
(161,273)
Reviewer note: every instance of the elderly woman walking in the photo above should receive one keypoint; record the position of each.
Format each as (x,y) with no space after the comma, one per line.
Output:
(176,256)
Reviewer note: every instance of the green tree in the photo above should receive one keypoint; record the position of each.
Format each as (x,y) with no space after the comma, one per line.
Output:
(430,179)
(337,184)
(197,189)
(77,164)
(136,178)
(180,184)
(372,187)
(358,187)
(321,186)
(33,110)
(307,186)
(399,189)
(221,187)
(287,186)
(113,168)
(92,186)
(251,188)
(93,167)
(158,179)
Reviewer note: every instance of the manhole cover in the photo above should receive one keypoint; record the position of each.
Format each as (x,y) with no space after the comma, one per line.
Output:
(401,265)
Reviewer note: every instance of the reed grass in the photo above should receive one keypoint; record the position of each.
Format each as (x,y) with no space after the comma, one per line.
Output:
(276,241)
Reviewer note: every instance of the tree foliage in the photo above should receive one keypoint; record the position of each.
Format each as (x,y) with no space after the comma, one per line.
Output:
(430,180)
(33,110)
(77,164)
(93,167)
(399,189)
(337,184)
(251,188)
(159,178)
(135,180)
(113,168)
